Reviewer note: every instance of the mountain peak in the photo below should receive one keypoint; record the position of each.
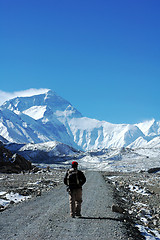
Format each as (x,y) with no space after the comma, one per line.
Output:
(46,103)
(148,126)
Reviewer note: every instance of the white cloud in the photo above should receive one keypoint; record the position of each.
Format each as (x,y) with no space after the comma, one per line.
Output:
(4,96)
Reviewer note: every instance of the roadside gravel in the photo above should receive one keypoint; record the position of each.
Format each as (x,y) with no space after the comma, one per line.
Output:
(47,216)
(139,195)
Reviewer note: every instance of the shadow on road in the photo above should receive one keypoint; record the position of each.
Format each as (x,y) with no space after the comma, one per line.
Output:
(104,218)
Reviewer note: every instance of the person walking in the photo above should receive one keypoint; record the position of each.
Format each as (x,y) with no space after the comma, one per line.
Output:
(75,179)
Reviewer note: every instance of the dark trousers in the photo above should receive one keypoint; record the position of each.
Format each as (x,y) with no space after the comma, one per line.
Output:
(75,200)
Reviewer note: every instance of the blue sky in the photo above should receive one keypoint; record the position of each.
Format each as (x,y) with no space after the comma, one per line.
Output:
(101,55)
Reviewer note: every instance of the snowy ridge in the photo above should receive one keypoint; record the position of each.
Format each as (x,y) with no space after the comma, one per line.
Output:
(53,148)
(48,117)
(48,152)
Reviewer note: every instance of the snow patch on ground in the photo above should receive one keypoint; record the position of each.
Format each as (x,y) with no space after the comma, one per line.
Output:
(11,197)
(138,190)
(146,232)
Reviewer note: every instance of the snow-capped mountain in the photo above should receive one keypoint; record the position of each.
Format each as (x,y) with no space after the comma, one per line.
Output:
(34,119)
(48,117)
(49,152)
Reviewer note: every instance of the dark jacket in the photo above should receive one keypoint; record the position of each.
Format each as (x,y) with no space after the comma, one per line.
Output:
(81,178)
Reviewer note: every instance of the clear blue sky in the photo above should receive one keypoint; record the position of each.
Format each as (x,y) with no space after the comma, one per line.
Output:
(101,55)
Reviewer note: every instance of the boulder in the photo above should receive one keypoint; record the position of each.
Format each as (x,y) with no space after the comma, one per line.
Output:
(118,209)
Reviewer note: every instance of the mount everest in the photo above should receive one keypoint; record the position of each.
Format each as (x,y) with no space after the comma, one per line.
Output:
(48,117)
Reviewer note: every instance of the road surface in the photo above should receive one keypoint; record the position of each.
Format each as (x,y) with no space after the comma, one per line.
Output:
(47,216)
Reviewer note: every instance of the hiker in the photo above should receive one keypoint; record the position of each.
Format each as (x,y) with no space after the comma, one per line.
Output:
(74,179)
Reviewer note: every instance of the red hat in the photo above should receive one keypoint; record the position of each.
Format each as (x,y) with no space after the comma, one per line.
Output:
(75,163)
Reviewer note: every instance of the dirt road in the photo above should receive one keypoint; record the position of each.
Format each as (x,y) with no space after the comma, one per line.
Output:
(47,216)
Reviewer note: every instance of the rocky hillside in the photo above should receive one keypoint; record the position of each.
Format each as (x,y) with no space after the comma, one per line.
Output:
(12,163)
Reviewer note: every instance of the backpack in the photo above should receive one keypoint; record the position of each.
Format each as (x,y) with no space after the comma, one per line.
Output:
(72,178)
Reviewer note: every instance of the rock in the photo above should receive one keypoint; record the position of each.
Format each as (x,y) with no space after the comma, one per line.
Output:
(39,193)
(154,170)
(48,168)
(35,169)
(142,212)
(155,222)
(2,208)
(116,208)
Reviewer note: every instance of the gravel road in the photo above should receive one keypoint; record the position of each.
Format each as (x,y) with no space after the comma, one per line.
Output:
(47,216)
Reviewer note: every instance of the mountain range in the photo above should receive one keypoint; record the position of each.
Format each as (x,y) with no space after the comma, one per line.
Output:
(48,117)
